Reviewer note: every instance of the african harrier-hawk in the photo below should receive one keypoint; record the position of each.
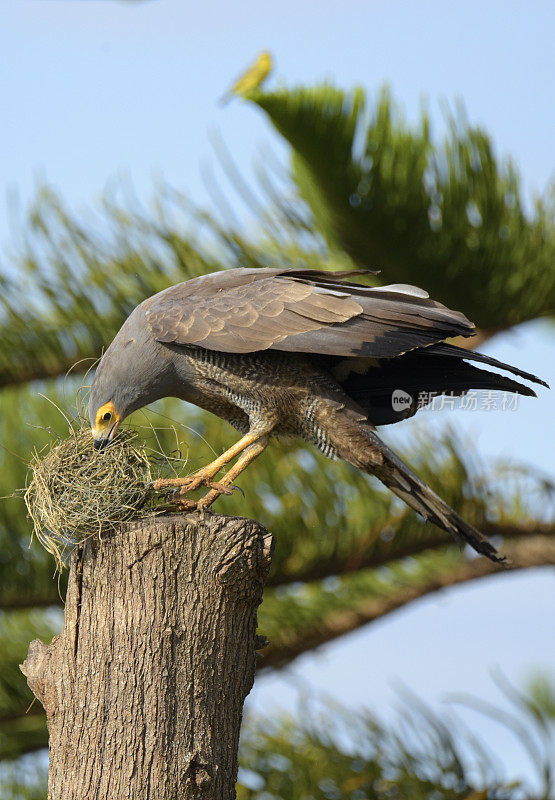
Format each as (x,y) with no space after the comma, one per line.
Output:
(296,352)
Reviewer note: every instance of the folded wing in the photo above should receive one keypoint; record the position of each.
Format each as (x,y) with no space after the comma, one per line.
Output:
(302,311)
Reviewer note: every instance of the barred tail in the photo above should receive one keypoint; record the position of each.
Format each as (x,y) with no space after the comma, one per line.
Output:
(393,473)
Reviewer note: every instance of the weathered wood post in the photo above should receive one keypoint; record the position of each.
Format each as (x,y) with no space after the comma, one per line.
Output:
(144,688)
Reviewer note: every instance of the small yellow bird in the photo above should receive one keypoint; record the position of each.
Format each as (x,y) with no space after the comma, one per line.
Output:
(252,78)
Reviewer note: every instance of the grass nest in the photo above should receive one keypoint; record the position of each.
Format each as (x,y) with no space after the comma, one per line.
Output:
(76,491)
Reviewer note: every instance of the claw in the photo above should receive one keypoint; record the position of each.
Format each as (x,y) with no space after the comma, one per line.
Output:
(182,486)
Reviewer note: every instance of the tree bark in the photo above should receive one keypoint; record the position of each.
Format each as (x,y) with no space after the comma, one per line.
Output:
(144,688)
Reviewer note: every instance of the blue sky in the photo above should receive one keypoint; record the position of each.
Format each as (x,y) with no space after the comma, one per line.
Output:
(95,88)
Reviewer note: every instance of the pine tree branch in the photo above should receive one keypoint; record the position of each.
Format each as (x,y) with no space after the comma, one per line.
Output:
(55,368)
(527,551)
(24,734)
(34,710)
(534,551)
(42,600)
(446,216)
(365,555)
(372,552)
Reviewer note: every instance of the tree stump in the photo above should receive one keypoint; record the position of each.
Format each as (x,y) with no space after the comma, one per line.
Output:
(144,688)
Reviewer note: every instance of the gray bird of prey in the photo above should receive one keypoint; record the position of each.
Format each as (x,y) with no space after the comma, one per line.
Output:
(296,352)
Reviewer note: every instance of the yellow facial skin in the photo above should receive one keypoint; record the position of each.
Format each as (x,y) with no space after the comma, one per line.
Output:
(105,424)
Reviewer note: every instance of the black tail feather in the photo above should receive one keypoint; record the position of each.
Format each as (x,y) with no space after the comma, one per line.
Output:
(424,374)
(453,351)
(398,477)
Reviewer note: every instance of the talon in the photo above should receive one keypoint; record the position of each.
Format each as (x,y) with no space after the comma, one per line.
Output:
(182,486)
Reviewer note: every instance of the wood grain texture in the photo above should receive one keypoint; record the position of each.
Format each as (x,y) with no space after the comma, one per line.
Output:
(144,687)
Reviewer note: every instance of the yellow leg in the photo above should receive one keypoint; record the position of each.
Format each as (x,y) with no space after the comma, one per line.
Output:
(204,476)
(252,452)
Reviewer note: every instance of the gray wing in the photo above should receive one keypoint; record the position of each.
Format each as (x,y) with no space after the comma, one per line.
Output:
(302,311)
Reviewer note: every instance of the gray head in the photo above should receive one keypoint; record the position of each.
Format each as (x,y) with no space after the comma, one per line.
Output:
(134,371)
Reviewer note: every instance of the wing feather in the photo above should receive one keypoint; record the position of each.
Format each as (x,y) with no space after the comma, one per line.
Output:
(311,311)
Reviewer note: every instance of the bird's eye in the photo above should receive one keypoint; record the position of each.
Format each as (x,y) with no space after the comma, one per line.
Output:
(107,417)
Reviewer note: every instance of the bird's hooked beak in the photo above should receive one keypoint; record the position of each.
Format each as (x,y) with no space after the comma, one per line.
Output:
(106,423)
